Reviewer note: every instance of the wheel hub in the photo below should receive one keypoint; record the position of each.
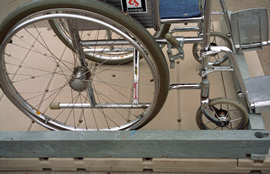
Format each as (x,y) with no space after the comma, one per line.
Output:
(79,79)
(222,115)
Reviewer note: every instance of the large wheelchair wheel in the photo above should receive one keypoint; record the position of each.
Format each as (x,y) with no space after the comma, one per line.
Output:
(231,112)
(60,88)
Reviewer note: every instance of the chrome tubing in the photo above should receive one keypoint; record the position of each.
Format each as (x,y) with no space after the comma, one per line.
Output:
(56,105)
(186,40)
(183,20)
(204,97)
(205,65)
(225,15)
(185,86)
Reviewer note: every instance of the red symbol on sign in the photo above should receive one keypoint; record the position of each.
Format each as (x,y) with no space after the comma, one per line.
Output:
(133,2)
(135,91)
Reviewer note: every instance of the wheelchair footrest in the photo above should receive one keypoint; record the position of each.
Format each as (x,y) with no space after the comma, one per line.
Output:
(249,28)
(258,93)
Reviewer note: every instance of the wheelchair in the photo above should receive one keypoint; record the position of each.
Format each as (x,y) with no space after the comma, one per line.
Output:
(90,71)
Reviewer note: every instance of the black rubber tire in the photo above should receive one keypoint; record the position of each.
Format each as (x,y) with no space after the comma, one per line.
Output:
(163,30)
(236,104)
(109,12)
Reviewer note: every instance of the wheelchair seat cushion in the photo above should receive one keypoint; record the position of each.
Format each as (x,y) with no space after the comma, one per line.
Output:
(179,9)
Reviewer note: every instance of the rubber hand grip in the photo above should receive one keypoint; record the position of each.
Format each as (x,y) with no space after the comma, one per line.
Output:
(171,39)
(54,105)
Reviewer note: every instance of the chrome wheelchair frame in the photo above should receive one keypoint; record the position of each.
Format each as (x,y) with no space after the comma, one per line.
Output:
(81,79)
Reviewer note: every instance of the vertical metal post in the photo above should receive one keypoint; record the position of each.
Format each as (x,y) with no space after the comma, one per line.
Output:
(75,38)
(226,16)
(205,63)
(136,68)
(206,31)
(206,46)
(109,37)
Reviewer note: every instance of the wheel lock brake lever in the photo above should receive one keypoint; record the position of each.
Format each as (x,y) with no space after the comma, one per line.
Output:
(172,43)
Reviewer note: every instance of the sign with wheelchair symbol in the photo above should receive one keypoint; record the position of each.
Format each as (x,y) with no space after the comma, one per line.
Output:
(134,6)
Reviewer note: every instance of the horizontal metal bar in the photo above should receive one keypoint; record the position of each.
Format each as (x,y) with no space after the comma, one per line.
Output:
(104,42)
(253,45)
(217,68)
(124,144)
(249,46)
(185,86)
(98,106)
(217,13)
(107,50)
(89,43)
(182,20)
(184,29)
(186,40)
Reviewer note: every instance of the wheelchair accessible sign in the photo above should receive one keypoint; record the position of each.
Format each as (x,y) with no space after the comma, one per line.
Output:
(134,6)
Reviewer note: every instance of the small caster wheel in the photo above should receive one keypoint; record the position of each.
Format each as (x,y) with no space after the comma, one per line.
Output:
(216,39)
(231,112)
